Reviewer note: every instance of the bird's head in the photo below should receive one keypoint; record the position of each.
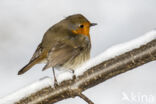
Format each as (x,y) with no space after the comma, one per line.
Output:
(79,25)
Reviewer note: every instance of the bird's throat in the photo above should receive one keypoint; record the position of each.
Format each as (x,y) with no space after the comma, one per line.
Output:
(84,31)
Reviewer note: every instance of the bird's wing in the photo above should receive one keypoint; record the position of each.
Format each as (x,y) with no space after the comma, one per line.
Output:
(38,56)
(61,54)
(40,52)
(37,53)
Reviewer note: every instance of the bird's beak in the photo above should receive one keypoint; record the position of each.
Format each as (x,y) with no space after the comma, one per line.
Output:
(93,24)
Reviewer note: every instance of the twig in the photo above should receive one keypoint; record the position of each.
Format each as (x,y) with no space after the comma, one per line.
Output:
(85,98)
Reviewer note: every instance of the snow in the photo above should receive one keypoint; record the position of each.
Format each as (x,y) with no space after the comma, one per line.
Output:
(64,76)
(116,51)
(26,91)
(109,53)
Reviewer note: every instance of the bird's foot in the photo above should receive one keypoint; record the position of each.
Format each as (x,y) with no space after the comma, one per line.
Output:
(55,83)
(74,77)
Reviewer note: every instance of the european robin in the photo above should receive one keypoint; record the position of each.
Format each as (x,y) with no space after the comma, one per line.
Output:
(65,45)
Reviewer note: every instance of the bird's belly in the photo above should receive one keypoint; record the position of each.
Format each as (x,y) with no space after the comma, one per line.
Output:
(77,61)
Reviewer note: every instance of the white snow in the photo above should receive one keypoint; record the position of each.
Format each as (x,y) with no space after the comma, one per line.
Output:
(109,53)
(116,51)
(36,86)
(64,76)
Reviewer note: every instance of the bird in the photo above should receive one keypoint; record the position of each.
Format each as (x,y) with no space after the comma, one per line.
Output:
(66,45)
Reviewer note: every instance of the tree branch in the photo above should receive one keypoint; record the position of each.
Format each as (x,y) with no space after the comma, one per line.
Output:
(94,76)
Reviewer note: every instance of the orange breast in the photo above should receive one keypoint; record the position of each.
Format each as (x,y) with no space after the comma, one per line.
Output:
(84,31)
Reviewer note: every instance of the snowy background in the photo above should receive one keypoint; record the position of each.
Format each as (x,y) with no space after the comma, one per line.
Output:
(23,23)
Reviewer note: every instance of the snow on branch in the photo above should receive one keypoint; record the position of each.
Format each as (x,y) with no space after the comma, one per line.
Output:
(114,61)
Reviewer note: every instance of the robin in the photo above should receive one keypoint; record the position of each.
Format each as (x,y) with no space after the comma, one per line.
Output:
(65,45)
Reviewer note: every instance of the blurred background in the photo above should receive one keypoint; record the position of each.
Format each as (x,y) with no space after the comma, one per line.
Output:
(24,22)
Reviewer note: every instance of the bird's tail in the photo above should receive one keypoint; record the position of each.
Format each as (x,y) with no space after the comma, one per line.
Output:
(29,65)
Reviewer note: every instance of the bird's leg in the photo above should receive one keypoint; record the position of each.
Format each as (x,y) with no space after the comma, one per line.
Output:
(55,81)
(74,77)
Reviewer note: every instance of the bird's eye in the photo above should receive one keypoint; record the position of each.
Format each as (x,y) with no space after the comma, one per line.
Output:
(81,26)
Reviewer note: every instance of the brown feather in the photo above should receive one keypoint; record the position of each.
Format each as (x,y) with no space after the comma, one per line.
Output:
(33,62)
(28,66)
(37,52)
(61,47)
(60,56)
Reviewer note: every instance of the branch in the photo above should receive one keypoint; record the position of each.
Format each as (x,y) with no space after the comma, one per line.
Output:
(93,76)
